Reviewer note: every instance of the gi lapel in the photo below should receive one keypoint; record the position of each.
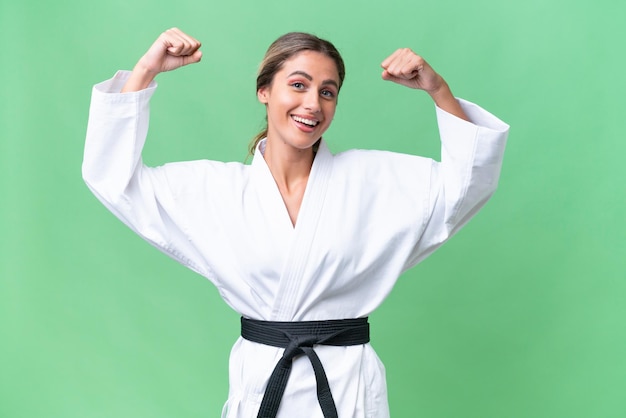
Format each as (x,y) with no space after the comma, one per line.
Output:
(287,298)
(271,202)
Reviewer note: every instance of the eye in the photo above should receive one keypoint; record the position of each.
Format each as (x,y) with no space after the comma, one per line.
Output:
(328,94)
(298,85)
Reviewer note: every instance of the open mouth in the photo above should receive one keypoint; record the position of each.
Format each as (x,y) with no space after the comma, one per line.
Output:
(308,122)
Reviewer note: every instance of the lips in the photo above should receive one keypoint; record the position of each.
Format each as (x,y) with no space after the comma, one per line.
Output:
(306,121)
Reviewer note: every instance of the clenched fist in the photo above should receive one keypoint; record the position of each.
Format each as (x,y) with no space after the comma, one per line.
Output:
(172,49)
(407,68)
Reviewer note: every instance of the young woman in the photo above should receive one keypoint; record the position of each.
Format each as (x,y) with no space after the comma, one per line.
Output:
(302,243)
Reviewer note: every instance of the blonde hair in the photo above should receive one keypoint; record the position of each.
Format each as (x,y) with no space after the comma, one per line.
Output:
(285,48)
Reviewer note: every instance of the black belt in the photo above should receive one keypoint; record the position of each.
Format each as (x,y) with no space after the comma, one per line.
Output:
(298,338)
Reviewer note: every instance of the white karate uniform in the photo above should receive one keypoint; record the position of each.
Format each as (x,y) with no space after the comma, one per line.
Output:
(366,217)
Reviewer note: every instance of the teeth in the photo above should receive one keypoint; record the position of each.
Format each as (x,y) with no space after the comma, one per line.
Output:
(305,121)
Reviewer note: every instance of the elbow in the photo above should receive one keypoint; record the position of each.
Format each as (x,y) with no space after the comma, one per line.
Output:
(86,174)
(92,177)
(101,183)
(465,209)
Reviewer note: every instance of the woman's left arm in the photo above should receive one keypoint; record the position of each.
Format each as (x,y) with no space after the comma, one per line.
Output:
(407,68)
(472,149)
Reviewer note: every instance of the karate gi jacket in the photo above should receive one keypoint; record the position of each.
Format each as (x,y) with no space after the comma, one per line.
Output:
(366,217)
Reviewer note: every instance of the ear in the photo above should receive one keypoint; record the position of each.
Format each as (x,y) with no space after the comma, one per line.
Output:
(263,94)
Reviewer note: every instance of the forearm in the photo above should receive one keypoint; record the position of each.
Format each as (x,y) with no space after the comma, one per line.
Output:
(116,132)
(445,100)
(139,79)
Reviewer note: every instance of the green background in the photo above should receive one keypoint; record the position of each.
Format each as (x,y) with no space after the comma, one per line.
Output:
(521,315)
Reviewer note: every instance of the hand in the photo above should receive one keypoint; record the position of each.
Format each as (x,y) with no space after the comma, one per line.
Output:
(172,49)
(407,68)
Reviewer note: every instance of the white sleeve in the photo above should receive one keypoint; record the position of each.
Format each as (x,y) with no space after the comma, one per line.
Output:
(113,170)
(466,177)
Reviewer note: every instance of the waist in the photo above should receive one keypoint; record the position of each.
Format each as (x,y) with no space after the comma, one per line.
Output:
(336,332)
(299,338)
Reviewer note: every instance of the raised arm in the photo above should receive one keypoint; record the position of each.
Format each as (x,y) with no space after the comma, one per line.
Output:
(172,49)
(144,198)
(473,143)
(407,68)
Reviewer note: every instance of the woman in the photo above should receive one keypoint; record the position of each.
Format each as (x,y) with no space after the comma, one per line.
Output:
(302,243)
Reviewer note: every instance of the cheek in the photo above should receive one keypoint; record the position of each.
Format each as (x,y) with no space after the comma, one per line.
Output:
(283,104)
(288,103)
(329,112)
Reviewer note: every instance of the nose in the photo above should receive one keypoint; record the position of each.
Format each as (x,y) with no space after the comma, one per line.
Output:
(312,101)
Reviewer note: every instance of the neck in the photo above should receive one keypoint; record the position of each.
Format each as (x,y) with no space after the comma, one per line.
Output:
(289,166)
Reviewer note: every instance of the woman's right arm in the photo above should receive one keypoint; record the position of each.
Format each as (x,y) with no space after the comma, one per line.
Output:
(139,196)
(172,49)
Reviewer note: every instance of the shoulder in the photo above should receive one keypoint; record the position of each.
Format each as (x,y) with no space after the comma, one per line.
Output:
(191,176)
(395,178)
(204,167)
(376,162)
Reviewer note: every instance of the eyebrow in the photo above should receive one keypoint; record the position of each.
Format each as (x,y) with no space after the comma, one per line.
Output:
(308,77)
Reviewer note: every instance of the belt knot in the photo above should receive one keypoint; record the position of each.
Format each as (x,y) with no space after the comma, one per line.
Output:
(299,338)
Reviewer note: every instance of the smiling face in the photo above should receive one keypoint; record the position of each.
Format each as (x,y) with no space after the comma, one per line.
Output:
(301,100)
